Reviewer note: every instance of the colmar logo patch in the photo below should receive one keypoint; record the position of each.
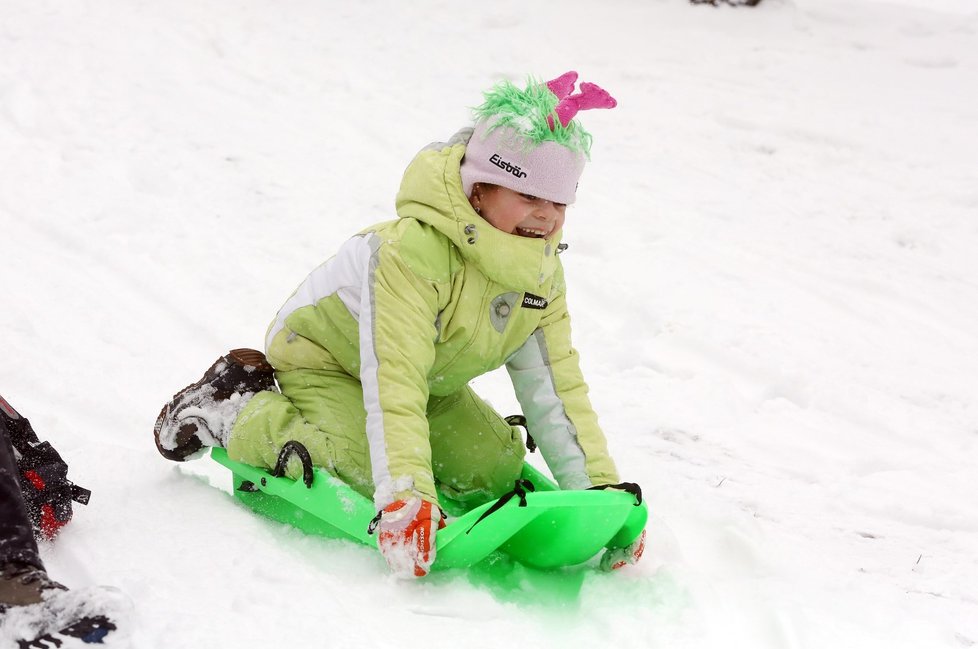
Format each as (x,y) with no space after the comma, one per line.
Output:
(531,301)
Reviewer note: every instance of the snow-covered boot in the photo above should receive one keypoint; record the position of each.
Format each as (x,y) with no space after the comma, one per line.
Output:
(22,584)
(96,616)
(202,414)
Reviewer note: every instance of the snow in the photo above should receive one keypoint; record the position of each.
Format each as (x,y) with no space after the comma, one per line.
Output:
(772,276)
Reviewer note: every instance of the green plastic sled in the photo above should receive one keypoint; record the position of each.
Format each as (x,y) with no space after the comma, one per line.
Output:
(554,529)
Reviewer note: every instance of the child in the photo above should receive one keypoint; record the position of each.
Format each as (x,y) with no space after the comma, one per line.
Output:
(23,579)
(35,503)
(374,351)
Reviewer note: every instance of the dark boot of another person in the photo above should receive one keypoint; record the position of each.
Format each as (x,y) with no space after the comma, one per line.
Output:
(22,584)
(202,414)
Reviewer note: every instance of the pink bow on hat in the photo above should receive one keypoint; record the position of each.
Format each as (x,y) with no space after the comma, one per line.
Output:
(591,96)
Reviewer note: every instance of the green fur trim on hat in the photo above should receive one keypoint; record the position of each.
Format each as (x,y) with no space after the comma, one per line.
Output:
(526,111)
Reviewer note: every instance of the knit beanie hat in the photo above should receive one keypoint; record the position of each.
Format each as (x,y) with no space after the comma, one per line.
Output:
(528,140)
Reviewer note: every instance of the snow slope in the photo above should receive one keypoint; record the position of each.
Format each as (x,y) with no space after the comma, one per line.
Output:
(772,275)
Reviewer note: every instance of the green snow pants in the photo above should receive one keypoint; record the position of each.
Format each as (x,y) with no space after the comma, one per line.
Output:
(475,455)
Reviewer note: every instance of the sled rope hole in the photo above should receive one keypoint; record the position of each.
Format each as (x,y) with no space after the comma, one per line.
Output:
(521,488)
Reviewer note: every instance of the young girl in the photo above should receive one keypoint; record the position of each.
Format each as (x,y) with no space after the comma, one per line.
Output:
(374,351)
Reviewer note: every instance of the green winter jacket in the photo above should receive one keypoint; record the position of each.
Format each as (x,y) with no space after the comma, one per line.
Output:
(421,305)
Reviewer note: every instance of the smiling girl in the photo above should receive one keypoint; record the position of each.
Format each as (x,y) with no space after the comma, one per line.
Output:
(374,351)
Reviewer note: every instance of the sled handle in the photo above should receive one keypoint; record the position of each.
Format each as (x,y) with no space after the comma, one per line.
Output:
(288,449)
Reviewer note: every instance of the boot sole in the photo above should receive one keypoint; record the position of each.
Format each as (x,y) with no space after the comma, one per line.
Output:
(251,358)
(246,358)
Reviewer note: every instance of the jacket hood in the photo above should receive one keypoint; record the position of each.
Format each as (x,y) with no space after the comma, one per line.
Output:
(431,192)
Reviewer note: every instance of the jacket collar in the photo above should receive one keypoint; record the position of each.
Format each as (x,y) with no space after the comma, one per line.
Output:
(431,192)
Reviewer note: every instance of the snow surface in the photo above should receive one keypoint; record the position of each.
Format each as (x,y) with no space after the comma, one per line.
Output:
(772,272)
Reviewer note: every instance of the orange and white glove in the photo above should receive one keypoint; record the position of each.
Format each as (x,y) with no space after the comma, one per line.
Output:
(615,558)
(406,535)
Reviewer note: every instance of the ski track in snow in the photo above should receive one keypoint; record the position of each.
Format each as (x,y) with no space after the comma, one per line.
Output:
(772,277)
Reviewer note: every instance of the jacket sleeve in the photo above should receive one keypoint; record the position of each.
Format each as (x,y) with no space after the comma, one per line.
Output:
(547,378)
(397,336)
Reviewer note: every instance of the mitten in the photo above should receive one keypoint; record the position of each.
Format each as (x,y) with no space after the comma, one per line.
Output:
(406,535)
(615,558)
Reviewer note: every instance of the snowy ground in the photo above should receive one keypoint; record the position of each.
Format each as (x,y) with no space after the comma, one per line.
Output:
(773,278)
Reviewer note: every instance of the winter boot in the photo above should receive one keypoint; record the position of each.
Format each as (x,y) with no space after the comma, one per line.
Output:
(202,414)
(22,584)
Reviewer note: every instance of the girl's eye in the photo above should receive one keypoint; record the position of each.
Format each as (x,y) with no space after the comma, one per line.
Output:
(531,197)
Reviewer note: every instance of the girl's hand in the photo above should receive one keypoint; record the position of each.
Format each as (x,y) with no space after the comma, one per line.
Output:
(616,558)
(407,536)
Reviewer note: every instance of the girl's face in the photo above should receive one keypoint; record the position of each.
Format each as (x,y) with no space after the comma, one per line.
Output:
(515,213)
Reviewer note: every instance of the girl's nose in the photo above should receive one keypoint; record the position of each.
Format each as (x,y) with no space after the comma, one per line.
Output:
(547,212)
